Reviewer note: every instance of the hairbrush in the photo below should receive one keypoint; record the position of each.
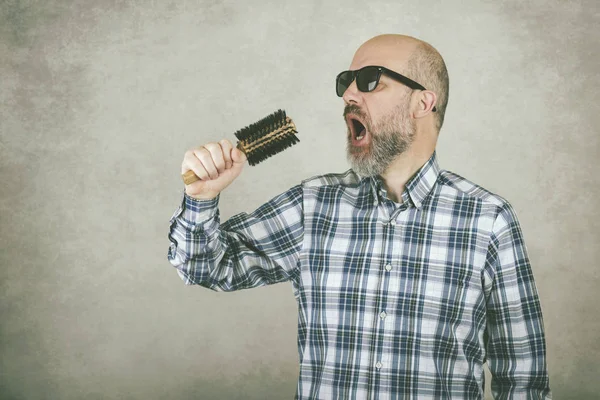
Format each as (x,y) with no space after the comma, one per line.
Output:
(260,140)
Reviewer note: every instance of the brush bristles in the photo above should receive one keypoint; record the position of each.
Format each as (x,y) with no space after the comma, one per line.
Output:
(271,135)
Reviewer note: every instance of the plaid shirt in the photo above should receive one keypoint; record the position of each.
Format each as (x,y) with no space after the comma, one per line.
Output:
(395,300)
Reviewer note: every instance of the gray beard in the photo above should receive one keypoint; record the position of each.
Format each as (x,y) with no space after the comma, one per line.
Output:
(390,138)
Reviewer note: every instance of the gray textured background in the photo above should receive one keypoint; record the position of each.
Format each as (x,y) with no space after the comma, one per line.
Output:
(99,101)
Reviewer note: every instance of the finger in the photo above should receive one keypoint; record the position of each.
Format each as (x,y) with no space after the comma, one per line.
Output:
(204,156)
(205,159)
(191,163)
(227,147)
(216,152)
(188,160)
(238,156)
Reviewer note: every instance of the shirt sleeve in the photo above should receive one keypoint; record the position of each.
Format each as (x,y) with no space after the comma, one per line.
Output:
(516,346)
(248,250)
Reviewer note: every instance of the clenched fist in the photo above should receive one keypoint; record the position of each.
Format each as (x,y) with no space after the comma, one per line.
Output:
(216,164)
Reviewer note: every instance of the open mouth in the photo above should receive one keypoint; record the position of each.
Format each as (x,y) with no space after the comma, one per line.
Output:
(357,129)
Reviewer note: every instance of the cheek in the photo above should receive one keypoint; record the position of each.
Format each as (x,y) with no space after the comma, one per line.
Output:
(375,112)
(382,105)
(382,115)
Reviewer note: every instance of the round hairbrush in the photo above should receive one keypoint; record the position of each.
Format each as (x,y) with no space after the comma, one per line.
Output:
(260,140)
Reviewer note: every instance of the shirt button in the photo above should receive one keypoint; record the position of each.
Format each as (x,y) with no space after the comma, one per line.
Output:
(379,364)
(383,315)
(388,267)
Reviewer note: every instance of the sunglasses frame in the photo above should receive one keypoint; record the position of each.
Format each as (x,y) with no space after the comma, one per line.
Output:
(380,70)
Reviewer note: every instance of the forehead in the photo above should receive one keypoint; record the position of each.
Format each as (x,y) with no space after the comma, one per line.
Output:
(389,54)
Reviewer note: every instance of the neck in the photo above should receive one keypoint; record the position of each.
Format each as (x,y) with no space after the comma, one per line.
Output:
(403,168)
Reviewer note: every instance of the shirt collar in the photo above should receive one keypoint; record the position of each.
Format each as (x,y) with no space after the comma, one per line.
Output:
(417,188)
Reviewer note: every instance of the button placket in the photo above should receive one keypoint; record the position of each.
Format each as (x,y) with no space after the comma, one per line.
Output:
(388,222)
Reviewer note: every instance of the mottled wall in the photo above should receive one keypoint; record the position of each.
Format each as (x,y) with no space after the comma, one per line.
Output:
(99,101)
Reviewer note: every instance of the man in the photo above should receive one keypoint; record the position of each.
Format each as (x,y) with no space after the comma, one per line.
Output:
(408,278)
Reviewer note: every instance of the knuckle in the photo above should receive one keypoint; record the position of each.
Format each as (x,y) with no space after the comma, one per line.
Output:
(214,149)
(212,146)
(201,153)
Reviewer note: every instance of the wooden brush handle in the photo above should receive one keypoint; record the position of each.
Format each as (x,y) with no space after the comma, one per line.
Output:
(190,177)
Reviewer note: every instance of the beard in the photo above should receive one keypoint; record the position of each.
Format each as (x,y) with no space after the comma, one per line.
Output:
(390,137)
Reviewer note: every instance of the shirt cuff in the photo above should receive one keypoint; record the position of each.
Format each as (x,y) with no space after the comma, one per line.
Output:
(196,211)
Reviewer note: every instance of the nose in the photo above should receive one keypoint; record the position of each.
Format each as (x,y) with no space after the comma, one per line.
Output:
(352,94)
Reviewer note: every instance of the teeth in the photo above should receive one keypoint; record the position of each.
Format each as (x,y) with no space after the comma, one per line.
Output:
(360,137)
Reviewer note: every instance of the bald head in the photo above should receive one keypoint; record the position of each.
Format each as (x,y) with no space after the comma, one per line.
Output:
(394,50)
(412,57)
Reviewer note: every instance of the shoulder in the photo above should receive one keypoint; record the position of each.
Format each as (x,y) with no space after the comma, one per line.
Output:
(499,211)
(452,184)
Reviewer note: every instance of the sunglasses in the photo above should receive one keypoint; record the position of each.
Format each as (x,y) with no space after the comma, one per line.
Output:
(367,79)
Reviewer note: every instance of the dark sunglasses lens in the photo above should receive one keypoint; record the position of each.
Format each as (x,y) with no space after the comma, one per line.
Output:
(367,79)
(344,80)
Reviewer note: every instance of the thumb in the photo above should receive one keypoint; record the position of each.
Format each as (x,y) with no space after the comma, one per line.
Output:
(238,156)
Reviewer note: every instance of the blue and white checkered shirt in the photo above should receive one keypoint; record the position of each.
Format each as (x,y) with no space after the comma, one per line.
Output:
(395,300)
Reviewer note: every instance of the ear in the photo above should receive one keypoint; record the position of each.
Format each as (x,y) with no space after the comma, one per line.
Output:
(427,100)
